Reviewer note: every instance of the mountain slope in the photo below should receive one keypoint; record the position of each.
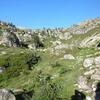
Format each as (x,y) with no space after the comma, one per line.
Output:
(49,64)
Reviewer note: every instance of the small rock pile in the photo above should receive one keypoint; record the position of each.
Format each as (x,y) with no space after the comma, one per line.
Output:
(88,81)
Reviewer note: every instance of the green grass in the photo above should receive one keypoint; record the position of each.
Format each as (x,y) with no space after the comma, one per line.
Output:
(47,75)
(50,69)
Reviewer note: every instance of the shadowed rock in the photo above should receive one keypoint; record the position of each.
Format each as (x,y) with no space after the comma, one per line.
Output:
(97,96)
(78,96)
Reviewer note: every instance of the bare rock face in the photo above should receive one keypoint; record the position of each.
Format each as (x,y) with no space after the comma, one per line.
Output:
(82,83)
(88,62)
(89,41)
(84,27)
(9,39)
(6,95)
(89,72)
(97,60)
(96,75)
(91,77)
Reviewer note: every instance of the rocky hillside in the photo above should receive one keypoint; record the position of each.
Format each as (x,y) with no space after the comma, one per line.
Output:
(50,64)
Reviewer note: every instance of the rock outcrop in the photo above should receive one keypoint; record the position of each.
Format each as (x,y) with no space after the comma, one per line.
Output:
(87,83)
(84,27)
(90,41)
(89,62)
(10,39)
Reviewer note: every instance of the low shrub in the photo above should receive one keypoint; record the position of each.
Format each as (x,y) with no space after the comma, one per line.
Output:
(17,63)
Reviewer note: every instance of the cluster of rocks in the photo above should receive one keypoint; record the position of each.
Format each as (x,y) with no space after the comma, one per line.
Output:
(84,27)
(90,41)
(89,62)
(9,39)
(15,38)
(65,36)
(12,36)
(89,80)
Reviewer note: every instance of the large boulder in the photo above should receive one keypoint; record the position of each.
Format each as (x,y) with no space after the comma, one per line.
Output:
(88,62)
(6,95)
(82,84)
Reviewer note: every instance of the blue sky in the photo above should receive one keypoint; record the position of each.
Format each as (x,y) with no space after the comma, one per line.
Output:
(48,13)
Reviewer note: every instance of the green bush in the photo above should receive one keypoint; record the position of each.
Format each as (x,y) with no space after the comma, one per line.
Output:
(44,88)
(38,43)
(17,63)
(32,60)
(4,61)
(63,71)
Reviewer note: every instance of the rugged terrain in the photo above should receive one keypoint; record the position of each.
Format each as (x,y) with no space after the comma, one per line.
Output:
(50,64)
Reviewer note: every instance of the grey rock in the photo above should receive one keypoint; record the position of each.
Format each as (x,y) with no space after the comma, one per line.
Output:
(97,60)
(2,69)
(96,75)
(82,83)
(89,41)
(88,62)
(6,95)
(89,72)
(10,39)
